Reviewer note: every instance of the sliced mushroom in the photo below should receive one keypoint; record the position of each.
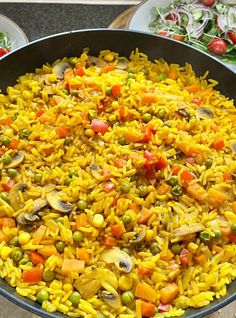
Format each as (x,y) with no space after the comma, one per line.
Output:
(121,259)
(111,299)
(183,112)
(204,113)
(56,202)
(233,147)
(122,64)
(139,237)
(5,208)
(60,68)
(188,229)
(95,61)
(16,160)
(25,218)
(14,197)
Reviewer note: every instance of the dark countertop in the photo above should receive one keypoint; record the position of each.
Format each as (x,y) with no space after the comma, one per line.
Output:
(38,20)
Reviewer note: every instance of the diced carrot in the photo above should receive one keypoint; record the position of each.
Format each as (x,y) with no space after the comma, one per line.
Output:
(218,144)
(116,90)
(39,112)
(36,258)
(120,163)
(14,144)
(79,70)
(149,98)
(145,215)
(232,238)
(3,237)
(133,136)
(189,149)
(163,189)
(179,37)
(48,250)
(217,249)
(81,220)
(39,234)
(186,176)
(192,88)
(185,256)
(145,291)
(124,114)
(44,118)
(234,206)
(7,222)
(68,74)
(72,265)
(109,186)
(2,151)
(133,206)
(117,231)
(169,293)
(147,309)
(166,256)
(216,196)
(7,186)
(114,202)
(108,69)
(145,272)
(228,177)
(197,192)
(173,74)
(201,259)
(175,169)
(63,131)
(33,275)
(6,121)
(82,254)
(225,230)
(109,241)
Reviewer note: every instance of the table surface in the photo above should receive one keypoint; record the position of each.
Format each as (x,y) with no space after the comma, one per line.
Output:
(46,19)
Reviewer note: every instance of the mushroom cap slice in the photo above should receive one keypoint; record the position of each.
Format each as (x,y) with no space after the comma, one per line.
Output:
(112,299)
(204,113)
(25,218)
(121,259)
(15,200)
(59,69)
(16,160)
(57,204)
(188,229)
(139,237)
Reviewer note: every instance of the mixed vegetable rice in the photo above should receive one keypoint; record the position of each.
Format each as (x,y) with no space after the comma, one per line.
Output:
(118,193)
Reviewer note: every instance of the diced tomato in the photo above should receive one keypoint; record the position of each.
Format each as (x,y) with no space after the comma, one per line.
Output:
(99,126)
(184,257)
(207,3)
(175,169)
(6,121)
(36,258)
(14,144)
(119,163)
(80,71)
(227,176)
(150,158)
(39,113)
(109,187)
(161,163)
(116,90)
(148,131)
(171,17)
(33,275)
(2,151)
(3,51)
(232,238)
(150,172)
(218,144)
(163,307)
(117,231)
(63,131)
(217,46)
(232,36)
(186,176)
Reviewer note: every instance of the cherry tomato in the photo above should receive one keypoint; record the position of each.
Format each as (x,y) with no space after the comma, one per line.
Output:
(171,17)
(3,51)
(207,3)
(217,46)
(232,36)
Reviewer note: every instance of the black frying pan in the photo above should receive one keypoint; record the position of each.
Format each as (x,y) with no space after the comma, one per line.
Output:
(49,49)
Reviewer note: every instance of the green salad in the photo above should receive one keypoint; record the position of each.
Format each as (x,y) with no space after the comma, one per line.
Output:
(209,25)
(5,43)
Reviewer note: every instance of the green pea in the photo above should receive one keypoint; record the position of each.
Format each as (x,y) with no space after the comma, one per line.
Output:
(127,297)
(16,255)
(205,237)
(14,241)
(75,298)
(154,248)
(125,187)
(208,163)
(131,75)
(108,91)
(60,246)
(12,173)
(78,236)
(48,276)
(5,140)
(38,177)
(218,233)
(73,173)
(143,191)
(6,159)
(147,117)
(42,296)
(74,93)
(24,260)
(68,140)
(177,190)
(25,133)
(14,117)
(173,181)
(82,204)
(126,219)
(161,113)
(176,249)
(162,77)
(67,182)
(167,124)
(122,141)
(29,264)
(5,196)
(233,228)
